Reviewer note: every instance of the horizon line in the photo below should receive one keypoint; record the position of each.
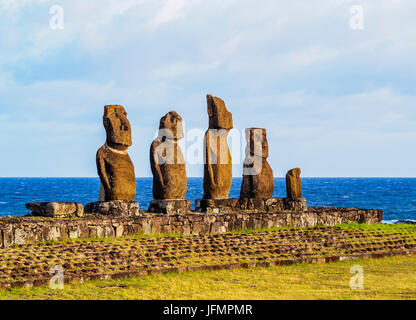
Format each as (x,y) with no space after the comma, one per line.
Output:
(307,177)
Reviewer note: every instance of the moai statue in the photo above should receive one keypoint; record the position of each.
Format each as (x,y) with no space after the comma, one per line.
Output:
(258,179)
(116,171)
(167,160)
(168,168)
(217,156)
(294,184)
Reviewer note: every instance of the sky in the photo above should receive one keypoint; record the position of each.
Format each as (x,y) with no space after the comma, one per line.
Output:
(334,88)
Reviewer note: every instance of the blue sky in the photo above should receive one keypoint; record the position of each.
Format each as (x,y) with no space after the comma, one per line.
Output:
(336,102)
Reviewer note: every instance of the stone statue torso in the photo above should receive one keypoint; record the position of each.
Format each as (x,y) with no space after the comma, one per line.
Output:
(217,168)
(260,186)
(169,177)
(116,171)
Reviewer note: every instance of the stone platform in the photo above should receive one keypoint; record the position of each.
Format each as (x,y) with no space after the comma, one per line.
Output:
(113,208)
(244,204)
(23,230)
(170,206)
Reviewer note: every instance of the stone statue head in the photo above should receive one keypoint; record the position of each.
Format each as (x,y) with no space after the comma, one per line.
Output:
(170,127)
(117,126)
(257,144)
(294,172)
(219,116)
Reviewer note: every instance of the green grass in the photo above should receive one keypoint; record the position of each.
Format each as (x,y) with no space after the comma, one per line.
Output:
(387,278)
(386,228)
(379,227)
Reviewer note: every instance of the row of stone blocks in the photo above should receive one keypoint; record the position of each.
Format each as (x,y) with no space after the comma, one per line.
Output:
(243,204)
(228,205)
(22,230)
(170,207)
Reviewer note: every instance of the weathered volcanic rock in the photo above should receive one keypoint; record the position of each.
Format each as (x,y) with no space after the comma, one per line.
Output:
(167,160)
(217,205)
(251,205)
(56,209)
(114,166)
(217,156)
(275,204)
(170,207)
(294,184)
(117,208)
(258,179)
(296,205)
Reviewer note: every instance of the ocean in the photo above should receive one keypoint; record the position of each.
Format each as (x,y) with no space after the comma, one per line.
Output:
(396,196)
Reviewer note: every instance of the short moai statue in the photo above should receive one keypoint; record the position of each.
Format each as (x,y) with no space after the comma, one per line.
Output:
(217,156)
(258,181)
(115,168)
(293,184)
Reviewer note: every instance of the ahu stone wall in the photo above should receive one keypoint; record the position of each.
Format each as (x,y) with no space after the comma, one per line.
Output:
(22,230)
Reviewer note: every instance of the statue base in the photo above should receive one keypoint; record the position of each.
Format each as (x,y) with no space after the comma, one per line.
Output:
(117,208)
(217,205)
(56,209)
(170,207)
(250,204)
(298,204)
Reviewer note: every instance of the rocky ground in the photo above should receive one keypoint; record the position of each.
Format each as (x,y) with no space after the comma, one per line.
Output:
(134,256)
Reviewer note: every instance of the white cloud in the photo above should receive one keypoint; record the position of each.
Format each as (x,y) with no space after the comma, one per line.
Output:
(182,68)
(11,6)
(306,57)
(170,11)
(232,45)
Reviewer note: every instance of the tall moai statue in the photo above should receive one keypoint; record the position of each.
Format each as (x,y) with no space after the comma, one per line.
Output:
(167,160)
(258,182)
(293,184)
(217,156)
(114,166)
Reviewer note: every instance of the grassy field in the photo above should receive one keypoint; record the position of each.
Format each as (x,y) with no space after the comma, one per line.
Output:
(386,278)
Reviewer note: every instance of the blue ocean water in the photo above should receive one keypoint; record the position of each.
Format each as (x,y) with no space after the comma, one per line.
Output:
(396,196)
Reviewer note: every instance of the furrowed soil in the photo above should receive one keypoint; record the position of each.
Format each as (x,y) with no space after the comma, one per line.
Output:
(138,256)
